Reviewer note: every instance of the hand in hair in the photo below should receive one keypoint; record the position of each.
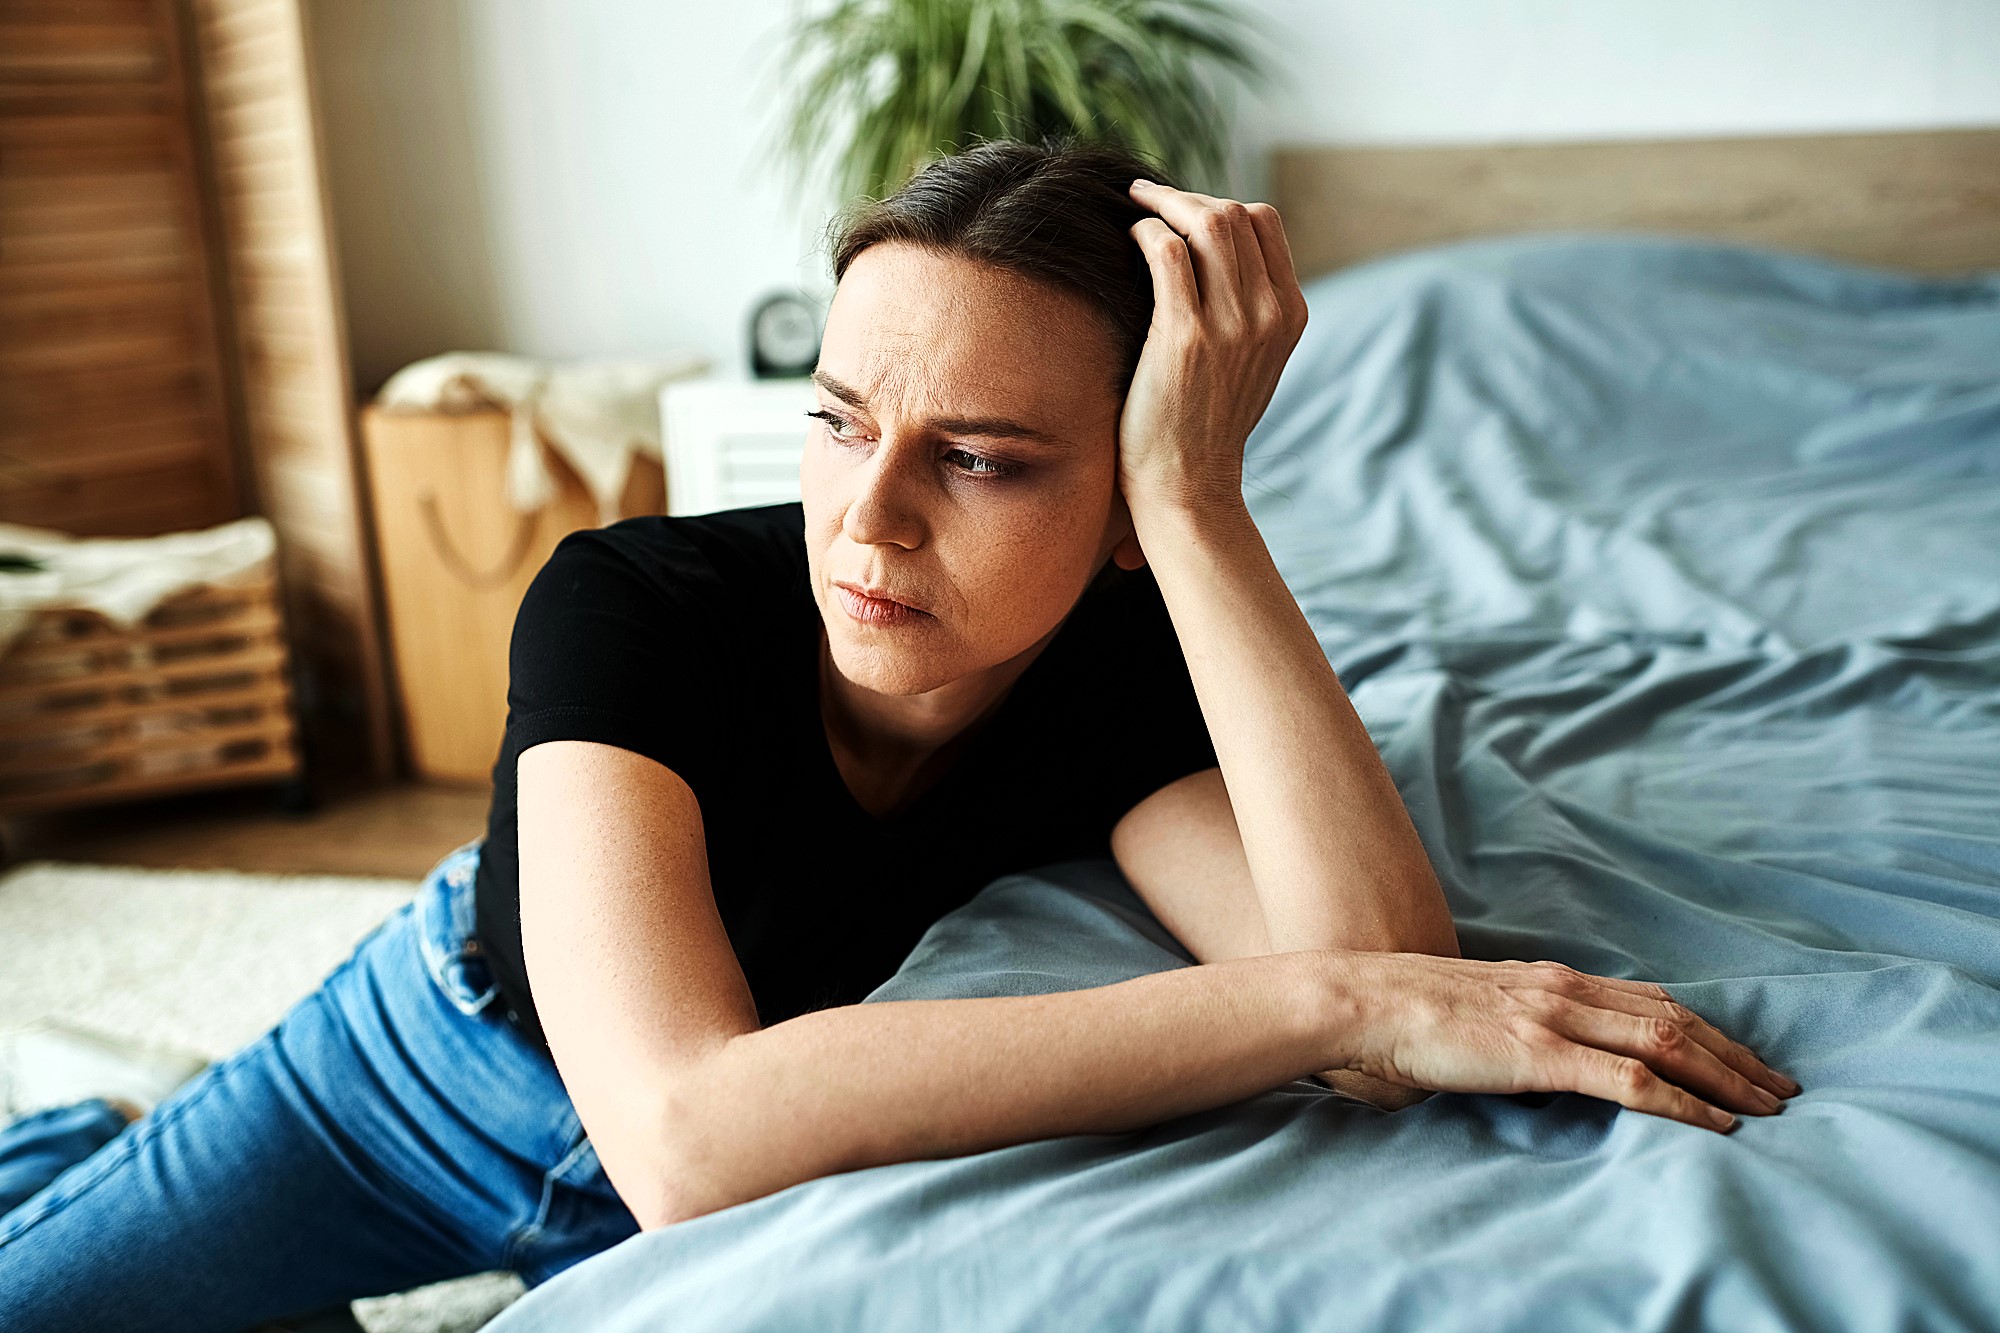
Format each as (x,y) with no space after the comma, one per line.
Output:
(1227,312)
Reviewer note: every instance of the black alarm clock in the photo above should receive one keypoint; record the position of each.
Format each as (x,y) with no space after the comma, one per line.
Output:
(784,336)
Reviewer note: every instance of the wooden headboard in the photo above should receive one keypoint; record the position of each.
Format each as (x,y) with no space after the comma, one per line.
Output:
(1925,201)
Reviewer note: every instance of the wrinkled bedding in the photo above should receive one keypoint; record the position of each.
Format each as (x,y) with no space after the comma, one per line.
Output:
(1666,576)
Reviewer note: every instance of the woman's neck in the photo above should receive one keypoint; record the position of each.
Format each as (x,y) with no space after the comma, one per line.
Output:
(891,747)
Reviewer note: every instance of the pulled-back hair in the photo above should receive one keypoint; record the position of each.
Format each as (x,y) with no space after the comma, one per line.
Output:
(1058,212)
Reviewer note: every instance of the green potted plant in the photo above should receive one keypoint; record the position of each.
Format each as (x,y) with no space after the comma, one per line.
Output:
(877,88)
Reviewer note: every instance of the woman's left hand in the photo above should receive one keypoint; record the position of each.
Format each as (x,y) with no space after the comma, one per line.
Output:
(1227,311)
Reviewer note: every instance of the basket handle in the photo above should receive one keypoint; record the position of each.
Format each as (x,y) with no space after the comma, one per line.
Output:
(441,543)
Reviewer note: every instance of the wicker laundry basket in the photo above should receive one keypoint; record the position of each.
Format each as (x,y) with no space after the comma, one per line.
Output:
(198,694)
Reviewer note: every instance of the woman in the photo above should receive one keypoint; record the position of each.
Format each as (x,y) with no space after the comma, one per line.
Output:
(1020,615)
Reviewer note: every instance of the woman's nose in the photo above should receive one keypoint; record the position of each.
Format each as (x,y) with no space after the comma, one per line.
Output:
(885,507)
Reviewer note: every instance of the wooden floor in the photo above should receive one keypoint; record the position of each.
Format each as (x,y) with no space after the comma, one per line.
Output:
(398,831)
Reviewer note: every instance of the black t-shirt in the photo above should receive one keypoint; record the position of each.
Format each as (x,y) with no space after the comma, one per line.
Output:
(694,641)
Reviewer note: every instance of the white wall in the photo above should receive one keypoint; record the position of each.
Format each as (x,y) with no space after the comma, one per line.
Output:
(559,178)
(1392,71)
(583,177)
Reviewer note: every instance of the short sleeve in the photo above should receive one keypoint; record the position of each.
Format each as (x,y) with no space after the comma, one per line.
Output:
(614,645)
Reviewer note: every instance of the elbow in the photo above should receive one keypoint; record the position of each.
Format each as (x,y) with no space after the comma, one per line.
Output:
(691,1160)
(661,1212)
(1421,921)
(722,1140)
(649,1179)
(645,1141)
(667,1191)
(676,1178)
(659,1198)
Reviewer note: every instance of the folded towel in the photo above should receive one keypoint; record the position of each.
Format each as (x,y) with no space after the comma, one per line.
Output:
(597,414)
(122,578)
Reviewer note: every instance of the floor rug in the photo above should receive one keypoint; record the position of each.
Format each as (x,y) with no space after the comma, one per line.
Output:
(202,961)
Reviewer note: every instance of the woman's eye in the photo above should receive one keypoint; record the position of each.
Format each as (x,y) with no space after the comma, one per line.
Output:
(975,465)
(834,424)
(982,466)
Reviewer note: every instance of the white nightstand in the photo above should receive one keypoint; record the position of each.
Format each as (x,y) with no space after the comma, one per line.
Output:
(733,442)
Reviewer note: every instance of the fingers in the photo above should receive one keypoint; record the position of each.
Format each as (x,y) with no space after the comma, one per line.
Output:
(1211,240)
(1639,1047)
(1253,281)
(1277,249)
(1667,1049)
(1245,243)
(1651,989)
(1240,259)
(1627,1081)
(1632,999)
(1650,999)
(1175,294)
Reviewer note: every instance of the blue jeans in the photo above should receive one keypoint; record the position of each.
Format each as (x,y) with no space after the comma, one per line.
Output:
(393,1129)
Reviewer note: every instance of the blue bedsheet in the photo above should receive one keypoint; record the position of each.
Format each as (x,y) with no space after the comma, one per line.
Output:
(1667,578)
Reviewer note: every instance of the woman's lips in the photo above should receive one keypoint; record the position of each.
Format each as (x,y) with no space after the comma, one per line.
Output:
(874,610)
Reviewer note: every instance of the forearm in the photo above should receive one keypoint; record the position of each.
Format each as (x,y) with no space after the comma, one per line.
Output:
(1333,856)
(869,1084)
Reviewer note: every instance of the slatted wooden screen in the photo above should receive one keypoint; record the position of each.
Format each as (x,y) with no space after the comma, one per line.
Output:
(112,416)
(296,401)
(171,350)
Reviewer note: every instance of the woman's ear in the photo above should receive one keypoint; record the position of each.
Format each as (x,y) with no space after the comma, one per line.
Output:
(1126,550)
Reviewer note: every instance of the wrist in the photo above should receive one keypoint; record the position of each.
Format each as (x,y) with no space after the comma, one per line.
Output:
(1187,516)
(1334,997)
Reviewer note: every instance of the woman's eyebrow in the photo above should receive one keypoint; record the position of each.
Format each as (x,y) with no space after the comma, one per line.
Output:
(994,428)
(986,427)
(852,397)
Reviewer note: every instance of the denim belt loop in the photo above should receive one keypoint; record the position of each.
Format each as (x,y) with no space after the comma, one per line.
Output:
(447,919)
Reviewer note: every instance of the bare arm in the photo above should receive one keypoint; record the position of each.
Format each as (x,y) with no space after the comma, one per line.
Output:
(1333,857)
(1330,854)
(1330,849)
(1180,850)
(692,1107)
(1182,854)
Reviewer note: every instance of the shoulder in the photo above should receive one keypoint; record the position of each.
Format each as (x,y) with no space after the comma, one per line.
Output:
(745,548)
(624,626)
(658,593)
(738,567)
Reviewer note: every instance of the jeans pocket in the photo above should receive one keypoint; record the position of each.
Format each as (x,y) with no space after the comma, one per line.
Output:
(579,1214)
(447,923)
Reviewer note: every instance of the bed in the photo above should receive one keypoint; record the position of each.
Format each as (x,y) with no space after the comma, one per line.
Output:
(1663,563)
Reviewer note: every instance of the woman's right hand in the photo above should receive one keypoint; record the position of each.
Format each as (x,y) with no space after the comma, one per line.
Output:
(1460,1025)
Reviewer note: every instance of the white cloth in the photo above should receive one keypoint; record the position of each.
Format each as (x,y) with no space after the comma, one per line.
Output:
(123,578)
(597,414)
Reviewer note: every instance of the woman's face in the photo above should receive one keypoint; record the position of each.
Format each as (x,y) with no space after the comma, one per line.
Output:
(969,467)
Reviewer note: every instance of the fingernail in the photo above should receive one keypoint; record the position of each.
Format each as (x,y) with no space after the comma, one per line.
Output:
(1722,1120)
(1142,181)
(1792,1085)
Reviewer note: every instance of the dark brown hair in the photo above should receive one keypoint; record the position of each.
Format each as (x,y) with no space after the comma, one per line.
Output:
(1057,211)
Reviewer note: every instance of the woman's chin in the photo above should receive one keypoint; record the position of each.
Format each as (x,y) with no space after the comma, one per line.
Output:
(889,669)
